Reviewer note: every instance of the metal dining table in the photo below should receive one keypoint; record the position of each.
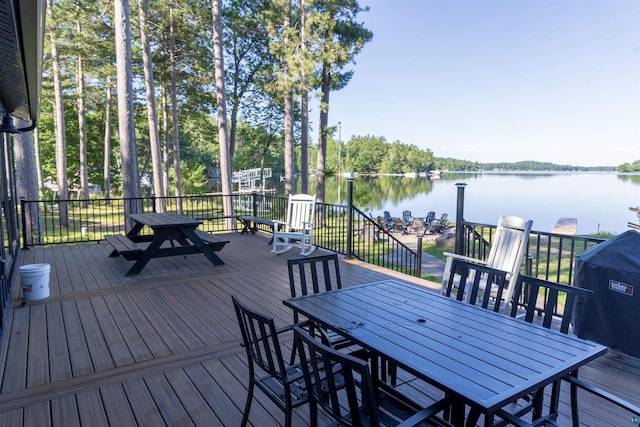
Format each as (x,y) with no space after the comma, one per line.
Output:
(485,359)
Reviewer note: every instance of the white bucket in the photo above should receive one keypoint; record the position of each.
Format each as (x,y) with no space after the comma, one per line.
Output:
(34,279)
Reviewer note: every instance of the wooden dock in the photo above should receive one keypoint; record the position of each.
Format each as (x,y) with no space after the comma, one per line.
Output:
(567,226)
(162,347)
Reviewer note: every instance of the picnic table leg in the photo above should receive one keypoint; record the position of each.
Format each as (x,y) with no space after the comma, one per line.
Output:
(190,234)
(135,231)
(149,252)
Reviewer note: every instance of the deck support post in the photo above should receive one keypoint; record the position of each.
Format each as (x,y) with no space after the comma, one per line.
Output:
(460,219)
(349,218)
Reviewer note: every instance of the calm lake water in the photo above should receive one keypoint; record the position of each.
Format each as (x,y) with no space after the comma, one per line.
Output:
(599,201)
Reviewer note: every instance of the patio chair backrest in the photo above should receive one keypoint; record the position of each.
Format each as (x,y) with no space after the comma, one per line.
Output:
(539,297)
(470,282)
(329,375)
(301,211)
(260,341)
(312,275)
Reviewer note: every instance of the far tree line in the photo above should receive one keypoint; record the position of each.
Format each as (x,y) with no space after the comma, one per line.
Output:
(130,97)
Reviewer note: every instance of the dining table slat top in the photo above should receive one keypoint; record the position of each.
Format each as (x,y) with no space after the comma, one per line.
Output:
(487,359)
(172,228)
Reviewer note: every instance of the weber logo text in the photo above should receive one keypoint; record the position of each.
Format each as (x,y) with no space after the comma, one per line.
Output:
(623,288)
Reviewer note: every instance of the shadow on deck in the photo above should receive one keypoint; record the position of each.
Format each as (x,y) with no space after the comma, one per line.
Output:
(162,347)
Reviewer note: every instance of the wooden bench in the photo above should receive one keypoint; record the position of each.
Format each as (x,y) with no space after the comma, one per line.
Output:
(124,246)
(212,241)
(250,223)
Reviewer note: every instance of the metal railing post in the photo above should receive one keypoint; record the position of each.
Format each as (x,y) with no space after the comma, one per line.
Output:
(419,257)
(460,219)
(349,218)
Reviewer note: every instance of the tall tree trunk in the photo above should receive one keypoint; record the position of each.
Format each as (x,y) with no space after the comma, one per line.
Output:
(152,116)
(288,113)
(174,108)
(27,184)
(304,105)
(322,136)
(233,124)
(223,142)
(106,175)
(128,152)
(165,140)
(288,145)
(82,124)
(59,125)
(304,143)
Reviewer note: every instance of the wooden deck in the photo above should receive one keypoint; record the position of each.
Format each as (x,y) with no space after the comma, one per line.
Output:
(567,226)
(162,347)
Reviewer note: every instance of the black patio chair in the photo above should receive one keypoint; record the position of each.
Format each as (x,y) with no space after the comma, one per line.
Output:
(283,384)
(476,284)
(530,293)
(313,275)
(327,370)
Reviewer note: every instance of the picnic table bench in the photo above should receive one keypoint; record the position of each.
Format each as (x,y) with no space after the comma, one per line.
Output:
(130,250)
(124,246)
(212,241)
(167,227)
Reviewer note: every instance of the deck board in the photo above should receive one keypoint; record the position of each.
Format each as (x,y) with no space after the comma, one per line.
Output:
(162,347)
(38,367)
(59,360)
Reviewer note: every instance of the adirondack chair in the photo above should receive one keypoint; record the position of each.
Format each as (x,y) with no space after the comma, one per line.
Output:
(506,253)
(431,215)
(387,217)
(298,230)
(439,225)
(384,224)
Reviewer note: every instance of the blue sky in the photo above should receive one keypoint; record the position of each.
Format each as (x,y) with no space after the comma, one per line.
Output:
(500,80)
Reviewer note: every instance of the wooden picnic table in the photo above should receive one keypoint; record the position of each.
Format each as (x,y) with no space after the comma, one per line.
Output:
(486,359)
(167,227)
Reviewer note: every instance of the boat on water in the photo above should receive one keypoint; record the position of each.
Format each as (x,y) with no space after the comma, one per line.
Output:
(435,174)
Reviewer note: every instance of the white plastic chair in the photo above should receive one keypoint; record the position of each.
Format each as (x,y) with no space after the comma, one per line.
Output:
(298,230)
(506,253)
